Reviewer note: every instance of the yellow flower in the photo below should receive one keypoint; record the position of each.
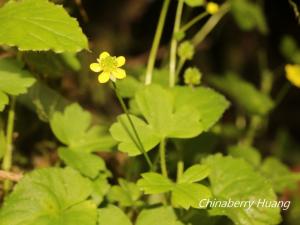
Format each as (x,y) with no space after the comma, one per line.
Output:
(293,74)
(212,8)
(109,67)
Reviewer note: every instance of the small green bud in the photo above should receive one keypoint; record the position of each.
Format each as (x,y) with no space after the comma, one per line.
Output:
(192,76)
(186,50)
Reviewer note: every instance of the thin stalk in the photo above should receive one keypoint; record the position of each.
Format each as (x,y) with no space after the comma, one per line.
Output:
(140,144)
(254,126)
(208,27)
(282,93)
(210,24)
(192,22)
(180,168)
(179,67)
(174,43)
(163,162)
(7,159)
(156,41)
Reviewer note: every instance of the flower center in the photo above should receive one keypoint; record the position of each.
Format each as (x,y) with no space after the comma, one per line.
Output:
(109,63)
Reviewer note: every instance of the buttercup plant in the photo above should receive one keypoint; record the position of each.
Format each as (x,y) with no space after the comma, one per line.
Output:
(169,151)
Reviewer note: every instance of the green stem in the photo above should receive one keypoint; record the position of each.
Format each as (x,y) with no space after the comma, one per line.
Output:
(174,43)
(140,144)
(192,22)
(179,67)
(255,124)
(156,41)
(282,93)
(7,160)
(180,168)
(210,24)
(163,162)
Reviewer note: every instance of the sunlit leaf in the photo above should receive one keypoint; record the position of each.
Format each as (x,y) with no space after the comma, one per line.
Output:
(112,215)
(73,128)
(86,163)
(235,180)
(13,80)
(40,25)
(50,196)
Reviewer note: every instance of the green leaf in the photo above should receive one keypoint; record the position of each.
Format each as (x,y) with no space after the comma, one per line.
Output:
(280,175)
(13,80)
(194,3)
(112,215)
(248,153)
(50,64)
(158,216)
(154,183)
(86,163)
(290,49)
(249,15)
(234,179)
(122,131)
(3,100)
(100,189)
(126,194)
(188,195)
(43,100)
(50,196)
(77,133)
(209,104)
(252,100)
(2,139)
(157,106)
(44,26)
(194,174)
(128,87)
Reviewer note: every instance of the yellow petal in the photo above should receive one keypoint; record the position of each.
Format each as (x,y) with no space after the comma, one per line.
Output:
(121,61)
(119,73)
(103,55)
(293,74)
(95,67)
(103,77)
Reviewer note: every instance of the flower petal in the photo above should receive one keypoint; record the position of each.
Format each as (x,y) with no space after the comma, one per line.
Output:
(293,74)
(103,55)
(103,77)
(95,67)
(121,61)
(119,73)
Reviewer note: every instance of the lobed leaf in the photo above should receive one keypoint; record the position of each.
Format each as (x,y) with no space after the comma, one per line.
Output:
(158,216)
(46,26)
(154,183)
(87,164)
(50,196)
(112,215)
(13,80)
(235,179)
(77,133)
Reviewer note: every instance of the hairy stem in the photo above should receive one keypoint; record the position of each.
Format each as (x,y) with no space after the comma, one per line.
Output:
(7,159)
(174,43)
(140,144)
(156,41)
(163,162)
